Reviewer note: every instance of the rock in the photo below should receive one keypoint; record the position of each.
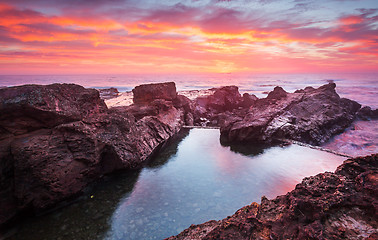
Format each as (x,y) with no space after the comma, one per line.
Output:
(56,139)
(278,93)
(248,100)
(30,107)
(144,94)
(340,205)
(44,164)
(366,113)
(208,109)
(182,102)
(312,116)
(223,99)
(108,93)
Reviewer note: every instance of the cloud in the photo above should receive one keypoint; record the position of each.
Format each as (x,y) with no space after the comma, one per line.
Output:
(221,20)
(233,33)
(52,28)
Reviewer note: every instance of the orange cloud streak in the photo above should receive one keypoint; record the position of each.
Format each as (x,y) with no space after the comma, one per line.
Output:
(32,42)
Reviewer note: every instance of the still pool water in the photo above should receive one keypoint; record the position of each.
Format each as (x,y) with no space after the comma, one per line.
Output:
(193,180)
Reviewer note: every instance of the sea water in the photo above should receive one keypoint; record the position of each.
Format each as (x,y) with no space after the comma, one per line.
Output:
(193,180)
(361,87)
(360,139)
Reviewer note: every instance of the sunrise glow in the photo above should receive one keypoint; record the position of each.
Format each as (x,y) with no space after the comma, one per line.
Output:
(72,37)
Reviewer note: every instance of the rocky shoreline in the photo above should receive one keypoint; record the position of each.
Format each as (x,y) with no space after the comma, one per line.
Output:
(339,205)
(57,139)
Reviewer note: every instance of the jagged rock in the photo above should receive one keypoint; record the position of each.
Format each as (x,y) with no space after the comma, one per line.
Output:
(340,205)
(223,99)
(208,109)
(108,93)
(188,106)
(277,93)
(144,94)
(30,107)
(366,113)
(80,141)
(312,116)
(248,100)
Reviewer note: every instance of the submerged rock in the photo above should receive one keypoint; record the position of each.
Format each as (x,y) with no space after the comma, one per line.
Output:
(311,115)
(340,205)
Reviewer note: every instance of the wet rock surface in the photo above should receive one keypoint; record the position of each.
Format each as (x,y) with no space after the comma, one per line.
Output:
(56,139)
(340,205)
(311,115)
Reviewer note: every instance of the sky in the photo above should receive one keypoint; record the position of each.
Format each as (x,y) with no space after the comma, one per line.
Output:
(191,36)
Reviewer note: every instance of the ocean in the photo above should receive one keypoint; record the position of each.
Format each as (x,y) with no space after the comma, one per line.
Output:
(361,87)
(360,139)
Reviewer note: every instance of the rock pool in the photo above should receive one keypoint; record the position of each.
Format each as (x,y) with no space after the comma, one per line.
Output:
(192,180)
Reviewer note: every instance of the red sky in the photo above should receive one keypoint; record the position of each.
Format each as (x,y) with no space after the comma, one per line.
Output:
(128,36)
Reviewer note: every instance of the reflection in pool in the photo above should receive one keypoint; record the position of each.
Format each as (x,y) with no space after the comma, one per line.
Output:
(191,181)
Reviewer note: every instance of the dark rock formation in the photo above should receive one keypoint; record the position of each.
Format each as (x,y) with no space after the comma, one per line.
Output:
(30,107)
(366,113)
(224,99)
(277,93)
(311,115)
(184,103)
(56,139)
(144,94)
(340,205)
(210,110)
(248,100)
(108,93)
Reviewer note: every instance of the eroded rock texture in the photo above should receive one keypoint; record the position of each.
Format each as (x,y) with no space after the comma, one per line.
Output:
(340,205)
(311,115)
(56,139)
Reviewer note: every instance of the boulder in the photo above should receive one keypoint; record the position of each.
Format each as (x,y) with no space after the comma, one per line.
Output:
(144,94)
(312,116)
(340,205)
